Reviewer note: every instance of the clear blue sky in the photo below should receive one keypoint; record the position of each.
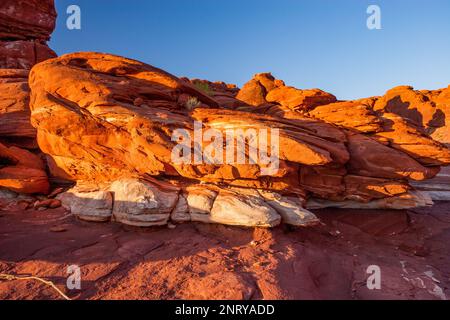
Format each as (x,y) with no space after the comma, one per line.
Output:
(307,43)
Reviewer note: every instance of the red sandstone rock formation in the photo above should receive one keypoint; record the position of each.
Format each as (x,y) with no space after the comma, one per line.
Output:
(25,28)
(23,54)
(107,121)
(224,94)
(438,127)
(264,88)
(27,19)
(15,125)
(413,122)
(20,170)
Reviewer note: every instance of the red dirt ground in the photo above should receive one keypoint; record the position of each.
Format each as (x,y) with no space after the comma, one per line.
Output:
(197,261)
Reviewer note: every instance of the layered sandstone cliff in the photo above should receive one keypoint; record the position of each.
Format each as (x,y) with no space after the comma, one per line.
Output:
(25,28)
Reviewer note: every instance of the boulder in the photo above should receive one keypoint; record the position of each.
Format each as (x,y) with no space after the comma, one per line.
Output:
(255,91)
(129,201)
(290,208)
(354,115)
(230,206)
(199,200)
(141,203)
(240,207)
(297,99)
(88,205)
(263,88)
(25,28)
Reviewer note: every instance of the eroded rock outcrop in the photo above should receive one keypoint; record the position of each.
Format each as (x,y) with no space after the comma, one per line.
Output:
(25,28)
(223,93)
(151,202)
(27,19)
(265,89)
(410,121)
(108,122)
(15,125)
(422,113)
(23,54)
(22,171)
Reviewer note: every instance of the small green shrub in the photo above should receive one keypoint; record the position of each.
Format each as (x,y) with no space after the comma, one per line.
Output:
(203,87)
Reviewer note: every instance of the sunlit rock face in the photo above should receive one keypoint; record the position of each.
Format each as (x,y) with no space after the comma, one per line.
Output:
(106,120)
(428,112)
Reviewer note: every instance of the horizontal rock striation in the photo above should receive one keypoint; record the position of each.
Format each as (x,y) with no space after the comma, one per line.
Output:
(20,170)
(107,123)
(27,19)
(25,28)
(23,54)
(151,202)
(429,111)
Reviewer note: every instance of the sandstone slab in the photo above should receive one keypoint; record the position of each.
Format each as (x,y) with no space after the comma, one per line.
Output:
(141,203)
(88,205)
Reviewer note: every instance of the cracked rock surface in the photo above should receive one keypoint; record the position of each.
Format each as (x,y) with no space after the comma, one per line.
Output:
(207,261)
